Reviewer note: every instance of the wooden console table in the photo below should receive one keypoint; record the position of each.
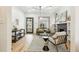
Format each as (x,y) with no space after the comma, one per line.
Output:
(17,34)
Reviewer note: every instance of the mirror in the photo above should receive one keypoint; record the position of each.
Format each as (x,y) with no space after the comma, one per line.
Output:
(44,22)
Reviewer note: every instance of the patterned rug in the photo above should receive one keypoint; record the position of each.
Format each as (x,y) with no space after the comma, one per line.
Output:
(38,44)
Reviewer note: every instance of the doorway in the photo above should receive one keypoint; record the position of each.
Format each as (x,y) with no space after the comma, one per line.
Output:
(29,24)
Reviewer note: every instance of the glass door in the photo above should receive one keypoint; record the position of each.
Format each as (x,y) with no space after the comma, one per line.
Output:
(29,25)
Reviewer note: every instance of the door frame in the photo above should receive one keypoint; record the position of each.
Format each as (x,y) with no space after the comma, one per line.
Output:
(32,24)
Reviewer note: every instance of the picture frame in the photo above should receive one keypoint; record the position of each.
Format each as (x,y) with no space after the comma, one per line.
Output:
(62,17)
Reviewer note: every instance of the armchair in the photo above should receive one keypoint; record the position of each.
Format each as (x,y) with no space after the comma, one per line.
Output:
(59,38)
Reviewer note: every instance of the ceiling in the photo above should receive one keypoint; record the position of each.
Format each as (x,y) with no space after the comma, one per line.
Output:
(40,9)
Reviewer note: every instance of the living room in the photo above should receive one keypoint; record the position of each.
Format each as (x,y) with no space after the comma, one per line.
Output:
(51,19)
(29,26)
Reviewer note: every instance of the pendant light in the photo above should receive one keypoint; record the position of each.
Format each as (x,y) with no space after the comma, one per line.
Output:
(40,7)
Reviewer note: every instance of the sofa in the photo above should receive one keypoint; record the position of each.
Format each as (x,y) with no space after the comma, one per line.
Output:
(42,30)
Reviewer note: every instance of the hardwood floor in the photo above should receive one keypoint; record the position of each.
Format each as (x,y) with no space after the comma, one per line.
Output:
(36,45)
(19,46)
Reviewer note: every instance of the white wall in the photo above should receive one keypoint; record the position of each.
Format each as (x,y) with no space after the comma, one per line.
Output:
(77,28)
(72,29)
(5,29)
(18,14)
